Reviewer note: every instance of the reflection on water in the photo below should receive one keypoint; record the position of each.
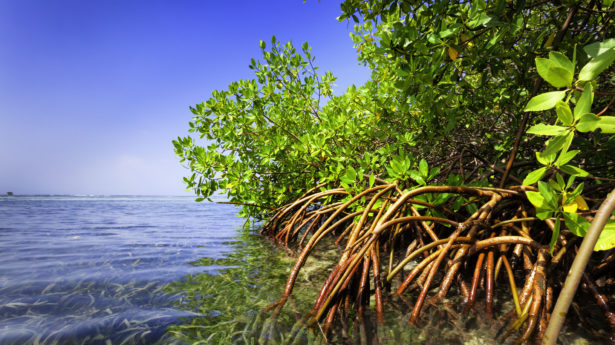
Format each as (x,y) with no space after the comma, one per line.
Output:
(93,270)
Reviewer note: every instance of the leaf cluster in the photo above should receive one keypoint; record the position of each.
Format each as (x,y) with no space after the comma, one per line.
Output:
(558,71)
(449,84)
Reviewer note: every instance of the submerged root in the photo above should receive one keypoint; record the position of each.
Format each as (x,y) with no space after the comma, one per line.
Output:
(413,246)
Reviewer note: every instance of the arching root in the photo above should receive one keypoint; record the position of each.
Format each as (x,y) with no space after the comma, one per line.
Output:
(385,225)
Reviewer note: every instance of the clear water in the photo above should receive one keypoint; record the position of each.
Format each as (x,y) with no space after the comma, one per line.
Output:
(157,270)
(93,270)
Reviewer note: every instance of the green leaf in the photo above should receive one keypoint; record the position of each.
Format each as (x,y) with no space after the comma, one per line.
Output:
(555,234)
(560,182)
(584,104)
(562,61)
(553,73)
(545,159)
(606,240)
(534,176)
(372,179)
(448,32)
(262,44)
(423,169)
(351,173)
(433,38)
(555,186)
(577,191)
(416,177)
(536,199)
(346,180)
(574,171)
(596,65)
(433,172)
(482,19)
(545,101)
(346,187)
(558,142)
(598,48)
(587,123)
(564,113)
(549,195)
(567,142)
(566,157)
(607,124)
(543,213)
(542,129)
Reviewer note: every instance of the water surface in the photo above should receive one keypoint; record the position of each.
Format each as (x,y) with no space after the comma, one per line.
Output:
(93,270)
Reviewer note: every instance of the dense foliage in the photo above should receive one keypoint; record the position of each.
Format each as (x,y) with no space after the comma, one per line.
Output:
(449,84)
(483,99)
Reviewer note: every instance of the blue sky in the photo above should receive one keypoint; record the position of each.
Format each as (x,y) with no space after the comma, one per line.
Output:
(92,92)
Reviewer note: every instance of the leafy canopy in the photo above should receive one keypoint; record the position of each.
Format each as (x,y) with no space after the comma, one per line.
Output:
(452,84)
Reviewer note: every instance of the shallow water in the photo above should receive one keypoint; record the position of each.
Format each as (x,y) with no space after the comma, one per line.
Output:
(166,270)
(93,270)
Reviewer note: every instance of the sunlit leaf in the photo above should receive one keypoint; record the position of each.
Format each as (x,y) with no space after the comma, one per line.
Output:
(596,65)
(571,207)
(543,129)
(598,48)
(575,171)
(564,114)
(587,123)
(584,104)
(416,177)
(545,101)
(606,240)
(558,142)
(548,194)
(535,198)
(566,157)
(553,73)
(576,223)
(581,203)
(423,168)
(433,39)
(545,159)
(482,19)
(562,60)
(606,124)
(534,176)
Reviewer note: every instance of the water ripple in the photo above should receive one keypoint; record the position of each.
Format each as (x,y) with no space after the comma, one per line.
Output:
(93,270)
